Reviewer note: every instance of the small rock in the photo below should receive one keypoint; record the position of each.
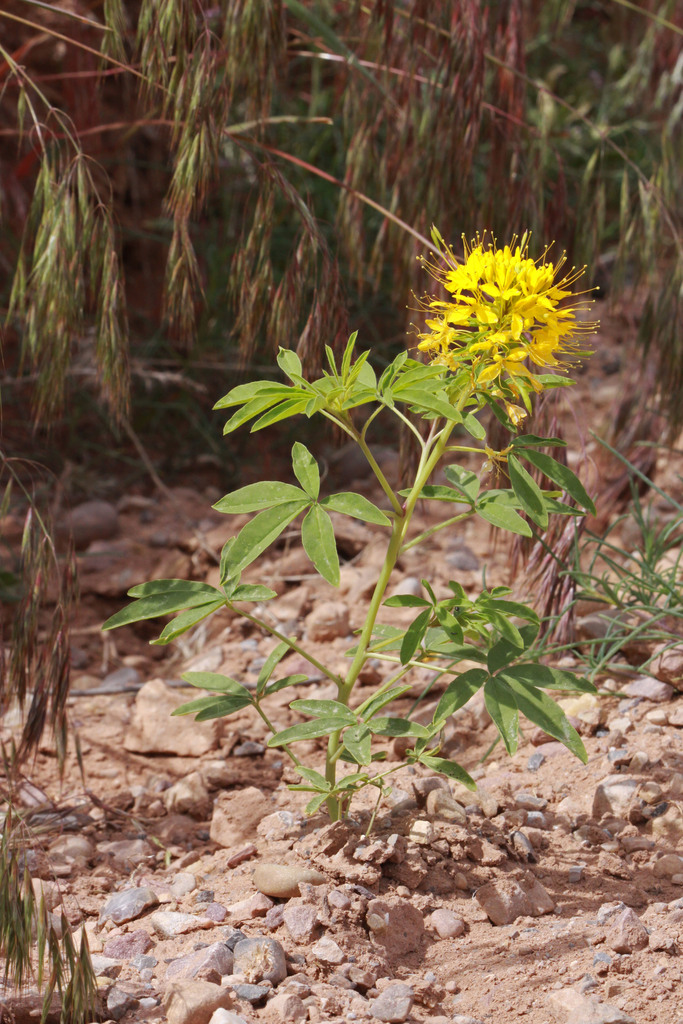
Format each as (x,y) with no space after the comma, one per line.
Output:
(650,689)
(260,959)
(395,924)
(288,1006)
(463,559)
(440,804)
(422,832)
(119,1003)
(530,802)
(248,749)
(338,899)
(668,666)
(252,993)
(236,815)
(504,900)
(106,966)
(89,521)
(394,1003)
(660,942)
(446,924)
(194,1002)
(668,866)
(127,905)
(613,796)
(169,923)
(535,761)
(327,951)
(668,826)
(275,917)
(221,1016)
(282,880)
(124,947)
(216,912)
(215,957)
(575,872)
(77,850)
(627,933)
(301,921)
(327,621)
(152,730)
(190,796)
(126,854)
(257,905)
(571,1007)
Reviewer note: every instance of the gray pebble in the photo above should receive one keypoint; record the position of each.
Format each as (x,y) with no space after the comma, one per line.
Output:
(252,993)
(394,1004)
(129,904)
(119,1002)
(260,959)
(535,761)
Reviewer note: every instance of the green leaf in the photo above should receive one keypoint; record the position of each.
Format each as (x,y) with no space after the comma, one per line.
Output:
(282,684)
(406,601)
(256,497)
(306,470)
(502,707)
(503,652)
(355,505)
(474,427)
(528,492)
(313,805)
(215,681)
(273,659)
(413,635)
(264,528)
(424,400)
(459,692)
(324,709)
(544,712)
(449,623)
(315,778)
(358,743)
(259,388)
(348,355)
(464,480)
(186,620)
(438,492)
(548,678)
(181,595)
(534,441)
(448,768)
(253,408)
(208,708)
(317,537)
(397,727)
(500,514)
(290,407)
(563,477)
(307,731)
(153,587)
(252,592)
(374,704)
(290,364)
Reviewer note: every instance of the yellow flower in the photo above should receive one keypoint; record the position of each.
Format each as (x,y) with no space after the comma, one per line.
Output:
(505,311)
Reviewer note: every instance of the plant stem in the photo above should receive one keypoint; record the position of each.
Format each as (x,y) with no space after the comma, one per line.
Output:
(433,449)
(294,646)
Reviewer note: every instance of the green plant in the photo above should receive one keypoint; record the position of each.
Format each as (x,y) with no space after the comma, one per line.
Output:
(505,311)
(635,588)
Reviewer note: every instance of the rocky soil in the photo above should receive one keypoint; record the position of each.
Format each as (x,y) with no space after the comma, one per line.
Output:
(553,893)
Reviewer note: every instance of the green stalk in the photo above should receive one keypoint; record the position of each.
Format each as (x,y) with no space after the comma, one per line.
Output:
(431,455)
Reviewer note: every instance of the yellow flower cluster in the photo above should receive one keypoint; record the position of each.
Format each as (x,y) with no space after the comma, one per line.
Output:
(505,312)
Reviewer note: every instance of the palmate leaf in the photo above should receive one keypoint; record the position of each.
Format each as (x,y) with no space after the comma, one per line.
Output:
(244,393)
(358,743)
(414,635)
(549,678)
(207,708)
(324,709)
(464,480)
